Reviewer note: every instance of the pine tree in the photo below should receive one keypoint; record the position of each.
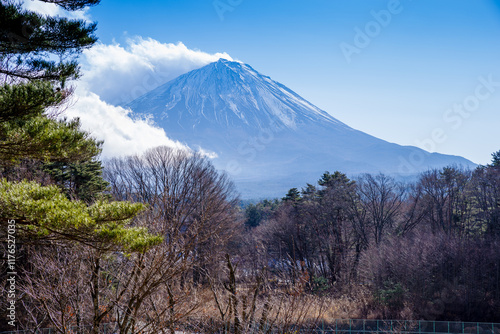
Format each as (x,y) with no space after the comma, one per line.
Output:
(46,211)
(253,216)
(495,161)
(38,56)
(337,178)
(34,82)
(28,42)
(293,195)
(81,180)
(309,192)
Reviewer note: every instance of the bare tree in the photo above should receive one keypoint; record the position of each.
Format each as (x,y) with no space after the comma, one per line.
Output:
(381,199)
(55,288)
(193,207)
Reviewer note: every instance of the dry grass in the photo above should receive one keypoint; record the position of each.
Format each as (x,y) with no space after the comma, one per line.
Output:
(275,308)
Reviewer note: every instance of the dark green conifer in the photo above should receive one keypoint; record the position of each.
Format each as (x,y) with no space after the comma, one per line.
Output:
(292,195)
(38,55)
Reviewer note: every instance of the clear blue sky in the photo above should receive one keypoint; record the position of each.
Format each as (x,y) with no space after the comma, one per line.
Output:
(401,84)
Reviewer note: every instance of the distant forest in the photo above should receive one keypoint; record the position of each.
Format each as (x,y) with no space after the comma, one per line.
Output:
(158,242)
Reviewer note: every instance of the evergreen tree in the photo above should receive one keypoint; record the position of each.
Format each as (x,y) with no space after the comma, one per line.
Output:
(82,180)
(46,212)
(253,216)
(33,82)
(38,55)
(309,192)
(495,161)
(292,195)
(337,178)
(28,42)
(335,183)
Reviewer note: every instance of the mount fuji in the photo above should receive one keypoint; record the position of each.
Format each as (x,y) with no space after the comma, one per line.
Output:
(266,136)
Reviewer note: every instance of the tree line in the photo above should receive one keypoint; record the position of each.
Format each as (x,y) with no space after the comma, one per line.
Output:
(427,250)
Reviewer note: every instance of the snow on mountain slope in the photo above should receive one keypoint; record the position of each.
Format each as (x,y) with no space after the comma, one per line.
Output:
(262,131)
(231,94)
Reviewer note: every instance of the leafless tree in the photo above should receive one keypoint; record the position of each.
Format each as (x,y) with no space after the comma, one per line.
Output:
(381,199)
(193,207)
(55,288)
(189,203)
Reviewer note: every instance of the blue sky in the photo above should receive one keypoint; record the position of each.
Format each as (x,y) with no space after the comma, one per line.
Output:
(409,72)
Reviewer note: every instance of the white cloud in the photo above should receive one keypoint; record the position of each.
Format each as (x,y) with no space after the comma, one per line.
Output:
(51,9)
(115,75)
(120,74)
(206,153)
(121,134)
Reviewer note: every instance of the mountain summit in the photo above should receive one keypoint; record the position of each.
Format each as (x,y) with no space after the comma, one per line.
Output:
(230,94)
(268,137)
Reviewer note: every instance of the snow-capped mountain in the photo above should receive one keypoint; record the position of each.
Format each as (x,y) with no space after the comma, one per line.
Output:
(266,136)
(230,94)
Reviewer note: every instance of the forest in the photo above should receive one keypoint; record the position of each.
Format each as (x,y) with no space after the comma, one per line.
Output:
(193,257)
(160,242)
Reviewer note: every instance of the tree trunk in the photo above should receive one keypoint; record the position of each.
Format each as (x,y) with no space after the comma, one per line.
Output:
(95,296)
